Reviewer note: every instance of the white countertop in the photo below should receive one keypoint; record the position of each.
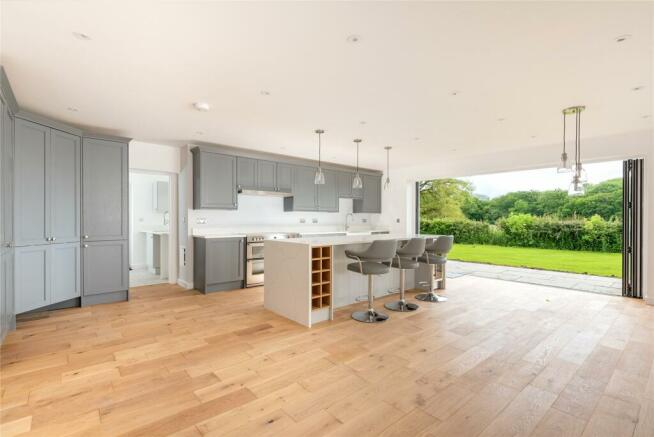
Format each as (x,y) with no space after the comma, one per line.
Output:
(314,234)
(341,240)
(213,236)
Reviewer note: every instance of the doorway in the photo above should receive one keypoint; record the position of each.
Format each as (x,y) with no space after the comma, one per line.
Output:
(150,228)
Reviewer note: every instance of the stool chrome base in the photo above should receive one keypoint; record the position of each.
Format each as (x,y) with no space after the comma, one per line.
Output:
(430,297)
(401,306)
(370,316)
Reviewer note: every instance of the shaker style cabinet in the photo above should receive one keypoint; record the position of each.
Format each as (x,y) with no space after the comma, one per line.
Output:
(46,274)
(105,213)
(371,200)
(328,192)
(46,184)
(218,264)
(305,194)
(214,180)
(284,178)
(7,251)
(345,189)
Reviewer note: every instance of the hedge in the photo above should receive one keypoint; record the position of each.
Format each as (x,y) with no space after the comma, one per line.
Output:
(524,230)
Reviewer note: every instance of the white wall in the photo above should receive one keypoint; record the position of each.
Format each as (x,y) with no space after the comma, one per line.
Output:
(143,216)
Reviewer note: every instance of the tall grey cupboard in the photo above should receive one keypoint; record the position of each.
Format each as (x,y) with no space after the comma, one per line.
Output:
(105,220)
(46,208)
(7,307)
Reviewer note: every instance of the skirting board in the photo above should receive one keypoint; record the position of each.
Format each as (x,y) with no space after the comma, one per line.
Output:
(185,284)
(116,296)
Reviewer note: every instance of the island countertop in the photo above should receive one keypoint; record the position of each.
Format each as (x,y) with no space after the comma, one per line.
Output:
(343,240)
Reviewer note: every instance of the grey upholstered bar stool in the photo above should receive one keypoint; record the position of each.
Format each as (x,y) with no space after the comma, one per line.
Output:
(406,259)
(435,255)
(375,260)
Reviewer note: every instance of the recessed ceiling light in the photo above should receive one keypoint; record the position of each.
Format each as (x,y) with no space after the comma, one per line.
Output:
(362,122)
(452,150)
(637,88)
(645,116)
(82,36)
(622,38)
(533,136)
(454,93)
(416,138)
(72,109)
(202,106)
(264,93)
(501,119)
(353,39)
(199,132)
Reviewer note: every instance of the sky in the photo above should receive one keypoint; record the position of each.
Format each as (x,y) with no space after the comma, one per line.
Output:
(494,185)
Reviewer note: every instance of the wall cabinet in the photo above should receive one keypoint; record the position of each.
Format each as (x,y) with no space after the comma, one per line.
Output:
(371,199)
(218,263)
(345,189)
(284,178)
(105,213)
(328,192)
(305,194)
(266,175)
(7,306)
(46,274)
(246,173)
(214,180)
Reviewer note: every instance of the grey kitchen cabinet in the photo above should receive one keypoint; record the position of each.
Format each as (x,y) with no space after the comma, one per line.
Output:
(305,193)
(65,189)
(345,189)
(104,196)
(47,185)
(7,176)
(266,175)
(246,173)
(32,272)
(218,263)
(31,200)
(214,180)
(105,267)
(7,294)
(284,178)
(371,201)
(328,192)
(46,274)
(66,273)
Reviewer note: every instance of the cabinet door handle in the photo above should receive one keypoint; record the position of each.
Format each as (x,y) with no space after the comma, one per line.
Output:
(86,236)
(85,245)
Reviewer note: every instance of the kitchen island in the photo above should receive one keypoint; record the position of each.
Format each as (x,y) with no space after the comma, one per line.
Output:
(307,278)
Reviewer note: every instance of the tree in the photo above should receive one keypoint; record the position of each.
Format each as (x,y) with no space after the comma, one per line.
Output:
(444,198)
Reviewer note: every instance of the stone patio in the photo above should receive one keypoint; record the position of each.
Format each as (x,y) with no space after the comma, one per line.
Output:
(573,281)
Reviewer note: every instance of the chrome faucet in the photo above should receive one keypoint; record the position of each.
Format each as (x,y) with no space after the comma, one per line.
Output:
(347,226)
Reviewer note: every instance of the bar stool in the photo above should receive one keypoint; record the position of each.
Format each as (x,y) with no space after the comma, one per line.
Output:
(435,255)
(375,260)
(405,259)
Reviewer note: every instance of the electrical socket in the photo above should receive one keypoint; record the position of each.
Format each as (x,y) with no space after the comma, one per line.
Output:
(303,220)
(364,220)
(314,220)
(397,220)
(201,221)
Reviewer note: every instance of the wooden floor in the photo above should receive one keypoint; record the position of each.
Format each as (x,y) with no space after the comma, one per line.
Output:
(498,359)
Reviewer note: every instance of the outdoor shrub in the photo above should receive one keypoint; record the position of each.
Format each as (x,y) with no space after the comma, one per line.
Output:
(525,230)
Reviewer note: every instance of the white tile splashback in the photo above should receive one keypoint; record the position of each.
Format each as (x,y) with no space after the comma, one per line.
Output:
(262,213)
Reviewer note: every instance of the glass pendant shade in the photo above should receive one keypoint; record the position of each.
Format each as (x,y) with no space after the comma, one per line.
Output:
(387,182)
(581,174)
(565,166)
(357,183)
(319,178)
(576,187)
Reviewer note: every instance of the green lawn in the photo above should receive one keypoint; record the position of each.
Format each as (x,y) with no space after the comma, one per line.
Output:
(593,263)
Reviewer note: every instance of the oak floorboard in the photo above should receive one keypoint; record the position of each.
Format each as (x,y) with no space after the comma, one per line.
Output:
(498,358)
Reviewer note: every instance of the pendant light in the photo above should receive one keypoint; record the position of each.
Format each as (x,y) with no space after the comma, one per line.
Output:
(565,166)
(387,182)
(579,177)
(357,183)
(319,178)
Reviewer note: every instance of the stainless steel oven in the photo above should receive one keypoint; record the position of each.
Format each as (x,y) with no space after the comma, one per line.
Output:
(254,265)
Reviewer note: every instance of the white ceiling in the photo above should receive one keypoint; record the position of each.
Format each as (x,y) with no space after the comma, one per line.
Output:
(147,62)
